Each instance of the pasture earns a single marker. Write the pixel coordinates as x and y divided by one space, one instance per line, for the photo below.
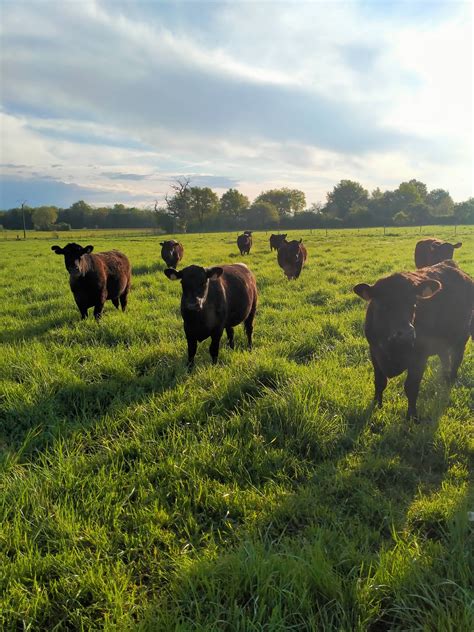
263 493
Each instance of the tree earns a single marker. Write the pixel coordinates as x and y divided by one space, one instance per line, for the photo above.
343 196
178 204
440 201
44 216
203 205
263 215
464 211
418 213
233 206
401 219
286 201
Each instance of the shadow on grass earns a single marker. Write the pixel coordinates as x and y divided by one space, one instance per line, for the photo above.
158 266
306 561
64 409
39 328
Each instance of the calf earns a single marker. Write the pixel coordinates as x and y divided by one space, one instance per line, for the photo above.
413 315
431 251
244 242
215 299
171 252
276 241
96 278
291 257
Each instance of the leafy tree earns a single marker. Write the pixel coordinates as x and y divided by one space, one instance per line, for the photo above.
440 202
233 205
343 196
286 201
203 205
419 213
263 215
401 219
464 211
44 216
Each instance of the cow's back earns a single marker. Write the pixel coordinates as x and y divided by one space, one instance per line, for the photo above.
448 314
240 289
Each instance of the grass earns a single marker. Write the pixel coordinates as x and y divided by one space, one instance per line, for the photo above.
260 494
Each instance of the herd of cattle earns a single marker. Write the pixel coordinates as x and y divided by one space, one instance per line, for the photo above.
410 315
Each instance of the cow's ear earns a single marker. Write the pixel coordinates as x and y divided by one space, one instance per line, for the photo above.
172 274
87 250
458 245
214 273
364 291
428 288
57 250
162 243
301 240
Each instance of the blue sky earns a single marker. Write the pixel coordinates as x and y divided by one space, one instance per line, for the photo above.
109 101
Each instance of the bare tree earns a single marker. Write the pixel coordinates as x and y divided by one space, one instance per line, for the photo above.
178 204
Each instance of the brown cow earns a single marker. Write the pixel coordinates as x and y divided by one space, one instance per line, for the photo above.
215 299
413 315
96 278
431 251
244 242
291 257
171 252
276 241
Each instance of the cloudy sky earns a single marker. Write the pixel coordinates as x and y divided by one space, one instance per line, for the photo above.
109 101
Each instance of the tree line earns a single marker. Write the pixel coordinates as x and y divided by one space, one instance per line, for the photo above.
191 209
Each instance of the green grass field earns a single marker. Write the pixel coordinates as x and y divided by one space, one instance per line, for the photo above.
263 493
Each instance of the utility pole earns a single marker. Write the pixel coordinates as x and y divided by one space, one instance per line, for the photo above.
23 214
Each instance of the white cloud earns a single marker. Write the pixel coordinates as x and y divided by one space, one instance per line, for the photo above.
266 94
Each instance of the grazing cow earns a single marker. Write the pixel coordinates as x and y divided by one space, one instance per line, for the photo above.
431 251
96 278
291 257
215 299
276 241
413 315
244 242
171 252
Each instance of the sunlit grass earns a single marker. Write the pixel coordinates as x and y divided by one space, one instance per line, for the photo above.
260 494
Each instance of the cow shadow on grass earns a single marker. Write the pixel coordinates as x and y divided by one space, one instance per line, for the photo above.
158 266
64 409
332 531
38 328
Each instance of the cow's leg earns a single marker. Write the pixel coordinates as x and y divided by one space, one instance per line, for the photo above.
445 359
115 302
82 308
192 348
98 307
124 298
248 324
457 354
380 382
412 384
214 346
230 336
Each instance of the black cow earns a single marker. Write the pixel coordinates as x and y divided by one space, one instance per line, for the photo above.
96 278
171 252
214 299
413 315
244 242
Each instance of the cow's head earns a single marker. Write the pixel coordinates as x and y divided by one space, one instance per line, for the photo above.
73 254
292 259
195 284
392 303
442 251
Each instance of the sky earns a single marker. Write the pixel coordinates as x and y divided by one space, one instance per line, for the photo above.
110 101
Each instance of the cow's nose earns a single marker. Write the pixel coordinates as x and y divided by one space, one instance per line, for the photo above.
403 335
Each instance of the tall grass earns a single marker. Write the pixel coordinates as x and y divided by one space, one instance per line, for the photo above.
264 493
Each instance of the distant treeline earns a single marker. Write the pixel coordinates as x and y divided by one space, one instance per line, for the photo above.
192 209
